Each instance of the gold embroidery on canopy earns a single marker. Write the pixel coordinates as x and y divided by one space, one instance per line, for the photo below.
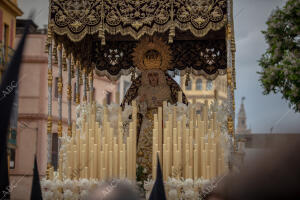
135 17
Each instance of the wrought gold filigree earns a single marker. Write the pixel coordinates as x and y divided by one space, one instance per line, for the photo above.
72 67
59 128
77 99
64 60
54 53
69 131
49 124
229 77
59 85
229 32
49 39
50 77
230 125
69 92
48 171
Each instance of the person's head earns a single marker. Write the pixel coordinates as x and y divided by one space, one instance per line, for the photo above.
114 190
153 79
273 174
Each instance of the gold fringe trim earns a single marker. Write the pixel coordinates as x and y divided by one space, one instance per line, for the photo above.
90 30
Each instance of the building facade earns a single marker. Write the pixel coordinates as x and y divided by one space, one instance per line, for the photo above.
200 89
9 10
32 137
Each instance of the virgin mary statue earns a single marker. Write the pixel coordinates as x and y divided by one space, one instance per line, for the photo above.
150 90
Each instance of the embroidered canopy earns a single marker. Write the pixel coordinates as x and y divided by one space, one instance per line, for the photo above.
103 33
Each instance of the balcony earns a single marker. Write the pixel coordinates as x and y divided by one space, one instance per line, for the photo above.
6 54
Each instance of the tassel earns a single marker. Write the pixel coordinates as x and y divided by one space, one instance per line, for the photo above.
103 41
64 60
55 53
80 76
47 47
77 82
48 41
60 89
72 67
188 79
171 34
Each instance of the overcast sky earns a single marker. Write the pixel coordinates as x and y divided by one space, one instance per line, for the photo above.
262 112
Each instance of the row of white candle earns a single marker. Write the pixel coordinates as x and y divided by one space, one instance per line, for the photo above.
190 150
95 152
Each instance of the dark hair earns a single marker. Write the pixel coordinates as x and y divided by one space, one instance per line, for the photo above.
114 190
274 174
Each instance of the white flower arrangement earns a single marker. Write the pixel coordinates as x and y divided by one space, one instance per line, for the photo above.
48 195
84 184
99 112
125 118
173 194
222 111
177 189
113 110
181 109
180 189
148 184
84 109
69 195
83 194
51 189
189 194
188 183
68 185
74 189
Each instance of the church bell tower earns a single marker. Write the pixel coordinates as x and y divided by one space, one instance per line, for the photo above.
242 120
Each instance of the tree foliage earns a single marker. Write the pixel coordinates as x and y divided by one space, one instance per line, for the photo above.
281 62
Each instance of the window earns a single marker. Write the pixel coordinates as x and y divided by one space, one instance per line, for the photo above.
4 51
12 161
199 84
189 85
108 97
12 132
209 85
56 87
54 156
6 39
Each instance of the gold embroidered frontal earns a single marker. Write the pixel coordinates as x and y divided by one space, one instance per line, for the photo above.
77 18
